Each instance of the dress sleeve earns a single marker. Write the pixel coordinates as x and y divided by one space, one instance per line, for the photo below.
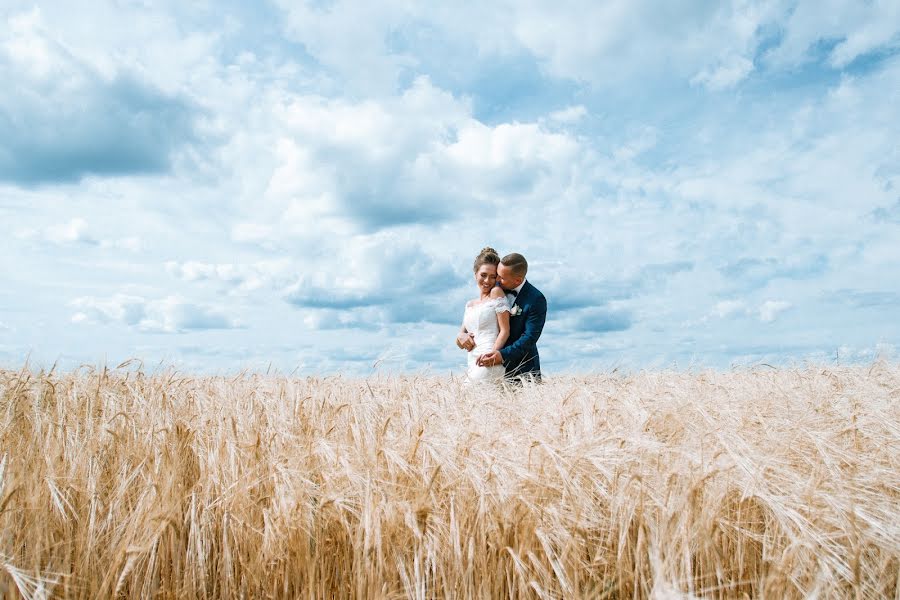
500 305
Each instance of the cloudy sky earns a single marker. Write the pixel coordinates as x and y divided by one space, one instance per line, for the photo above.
220 185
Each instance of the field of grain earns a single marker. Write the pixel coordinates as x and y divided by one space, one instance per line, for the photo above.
759 483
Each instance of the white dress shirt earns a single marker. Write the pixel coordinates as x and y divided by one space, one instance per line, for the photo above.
510 298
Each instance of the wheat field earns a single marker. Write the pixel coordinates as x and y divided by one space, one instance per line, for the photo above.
754 483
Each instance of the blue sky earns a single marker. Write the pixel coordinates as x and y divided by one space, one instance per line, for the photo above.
220 185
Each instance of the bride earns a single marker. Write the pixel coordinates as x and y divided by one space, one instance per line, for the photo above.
486 319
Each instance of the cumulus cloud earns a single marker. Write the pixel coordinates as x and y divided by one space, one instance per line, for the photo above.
755 272
71 232
76 232
420 157
770 310
727 308
382 180
64 119
862 298
726 74
509 158
374 271
251 232
130 244
166 315
853 30
609 44
570 114
241 278
767 312
596 320
636 145
571 286
344 317
350 39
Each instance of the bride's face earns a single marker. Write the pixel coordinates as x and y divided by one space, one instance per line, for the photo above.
486 278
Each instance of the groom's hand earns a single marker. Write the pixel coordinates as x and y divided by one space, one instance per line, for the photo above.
490 359
466 341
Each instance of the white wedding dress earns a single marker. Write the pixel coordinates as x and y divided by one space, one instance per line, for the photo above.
481 320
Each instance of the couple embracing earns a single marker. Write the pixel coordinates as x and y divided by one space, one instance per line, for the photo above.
502 325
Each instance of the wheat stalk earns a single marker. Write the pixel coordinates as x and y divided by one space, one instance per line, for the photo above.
752 483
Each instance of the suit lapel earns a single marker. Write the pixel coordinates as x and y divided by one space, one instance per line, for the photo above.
522 298
524 294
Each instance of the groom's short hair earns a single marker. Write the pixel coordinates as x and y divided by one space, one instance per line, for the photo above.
517 263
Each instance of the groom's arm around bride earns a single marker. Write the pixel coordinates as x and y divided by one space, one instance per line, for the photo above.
521 356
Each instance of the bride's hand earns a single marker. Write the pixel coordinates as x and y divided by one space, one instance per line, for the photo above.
465 341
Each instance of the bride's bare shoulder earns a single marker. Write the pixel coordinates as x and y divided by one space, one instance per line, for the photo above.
498 292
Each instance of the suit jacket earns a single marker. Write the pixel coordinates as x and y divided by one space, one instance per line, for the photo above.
520 354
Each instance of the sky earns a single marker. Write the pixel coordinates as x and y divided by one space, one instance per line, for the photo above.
303 186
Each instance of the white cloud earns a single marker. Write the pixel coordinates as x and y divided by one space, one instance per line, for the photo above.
767 312
25 48
770 309
242 278
73 231
350 39
857 27
251 232
603 43
131 244
76 232
608 44
166 315
127 309
570 114
194 271
69 118
638 144
341 164
726 74
346 167
521 146
52 41
879 33
373 270
727 308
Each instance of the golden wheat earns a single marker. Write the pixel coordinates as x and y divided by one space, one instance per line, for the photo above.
755 483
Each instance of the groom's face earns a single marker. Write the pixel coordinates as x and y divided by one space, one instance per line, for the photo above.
508 280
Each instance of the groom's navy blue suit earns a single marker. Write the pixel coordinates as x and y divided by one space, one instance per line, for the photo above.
520 354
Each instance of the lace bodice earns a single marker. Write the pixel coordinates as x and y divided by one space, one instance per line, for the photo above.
481 320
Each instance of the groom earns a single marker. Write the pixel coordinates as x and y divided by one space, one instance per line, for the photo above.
526 321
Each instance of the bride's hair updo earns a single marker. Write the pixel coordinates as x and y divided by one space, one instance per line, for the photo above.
487 256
